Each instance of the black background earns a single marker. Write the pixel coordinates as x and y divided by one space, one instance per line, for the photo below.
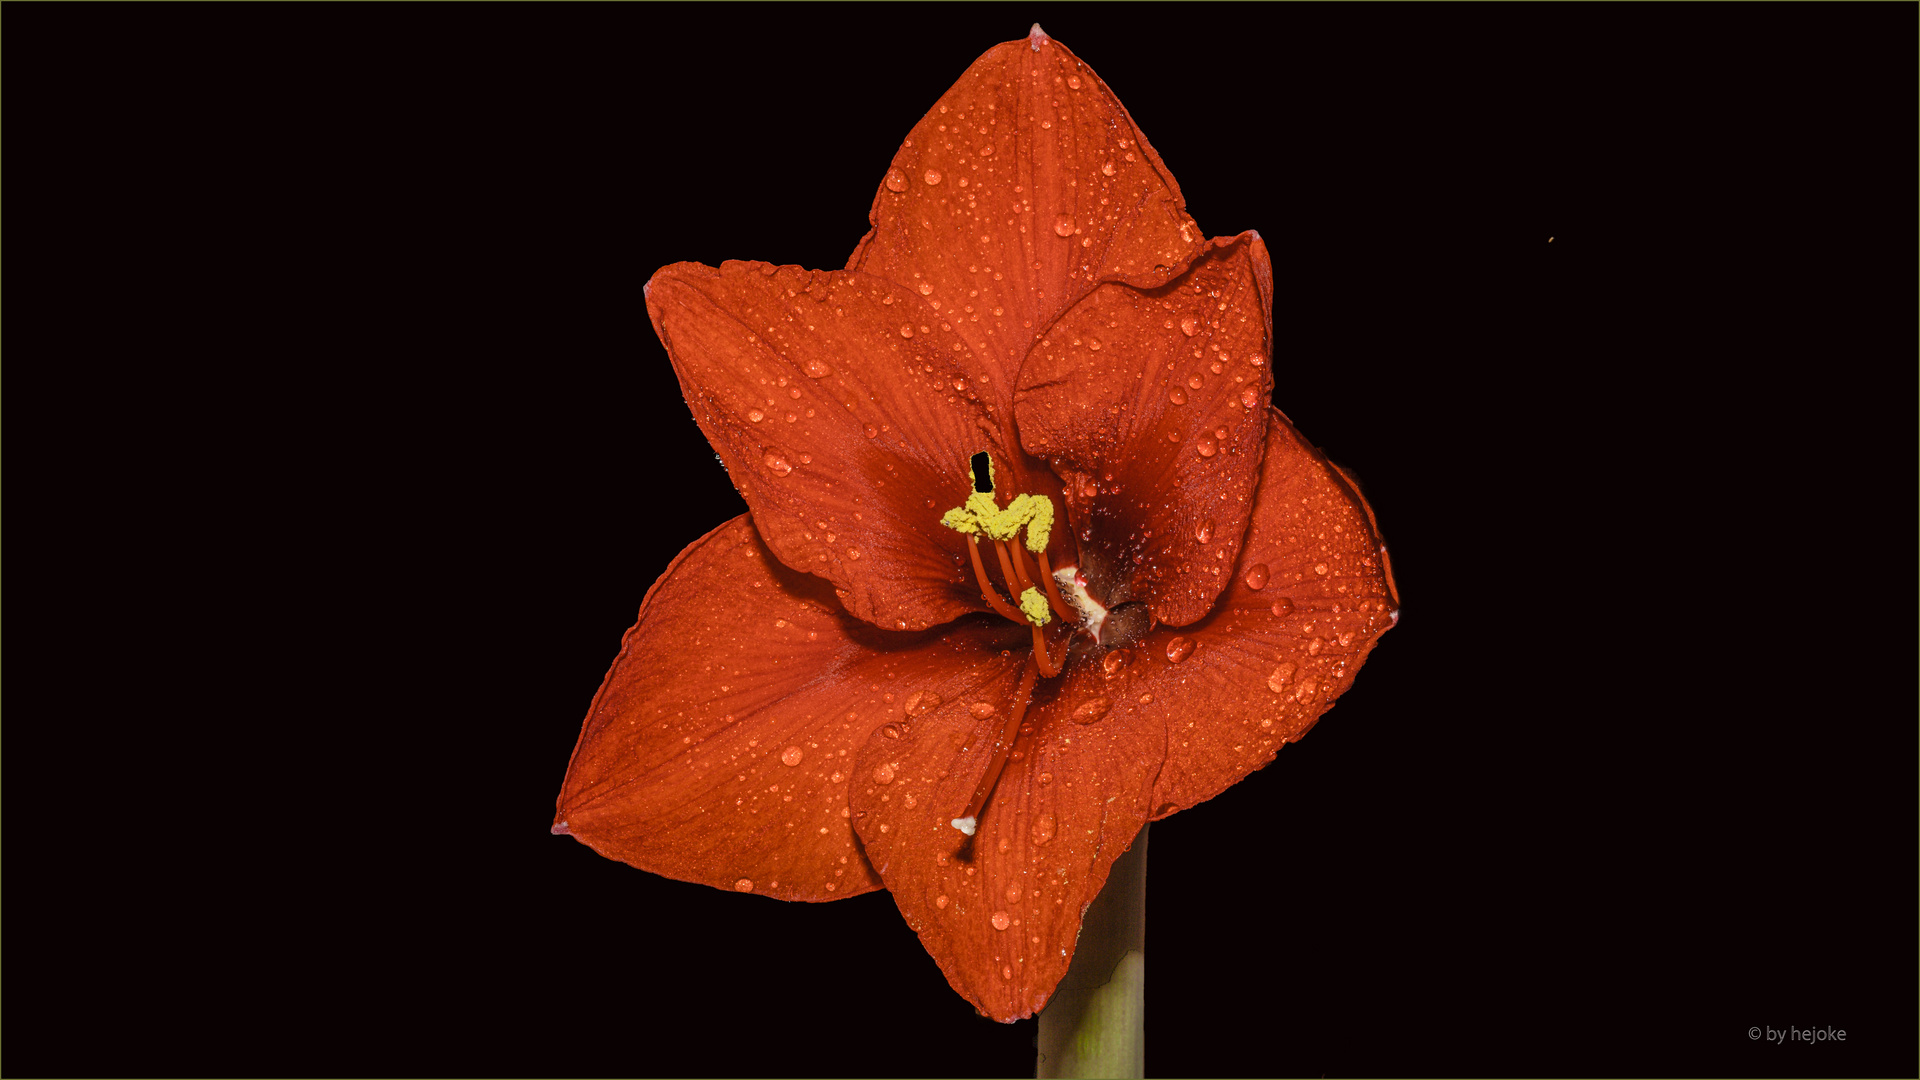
354 415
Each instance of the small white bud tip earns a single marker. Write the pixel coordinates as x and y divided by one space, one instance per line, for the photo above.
1035 36
560 829
965 824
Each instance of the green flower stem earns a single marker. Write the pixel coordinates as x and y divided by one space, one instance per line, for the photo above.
1095 1024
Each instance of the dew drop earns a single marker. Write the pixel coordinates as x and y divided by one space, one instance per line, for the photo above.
941 902
1189 326
1250 397
1206 446
1346 638
1043 827
1090 711
1107 169
1006 972
891 731
1257 576
926 288
1179 648
986 151
791 755
1013 894
1215 367
1314 647
778 465
756 415
896 180
1046 778
1114 661
1173 436
1073 82
817 370
872 432
1196 382
906 331
933 176
1178 396
1320 568
743 885
1000 920
982 709
1277 681
883 775
1282 607
1306 689
1203 532
1063 226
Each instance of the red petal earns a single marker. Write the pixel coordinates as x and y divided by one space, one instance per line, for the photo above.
1027 143
846 417
1152 406
1252 680
1001 914
722 743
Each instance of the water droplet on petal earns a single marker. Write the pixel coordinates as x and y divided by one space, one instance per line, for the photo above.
791 755
1314 647
906 331
926 288
815 369
1006 972
743 885
896 180
1307 686
1206 446
1043 827
982 709
778 465
1173 436
1107 169
1250 397
1203 532
1257 576
933 176
1114 661
1189 326
1196 382
1179 648
1320 568
941 902
1177 396
986 151
1215 367
756 415
883 775
1063 226
1090 711
872 432
1278 680
1013 894
1000 920
1046 778
1282 607
1073 82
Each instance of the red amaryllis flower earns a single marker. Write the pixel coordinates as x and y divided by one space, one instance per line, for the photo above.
1031 560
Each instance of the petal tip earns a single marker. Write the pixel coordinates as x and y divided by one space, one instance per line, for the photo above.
560 829
1035 36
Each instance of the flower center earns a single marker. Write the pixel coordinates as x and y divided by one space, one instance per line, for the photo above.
982 515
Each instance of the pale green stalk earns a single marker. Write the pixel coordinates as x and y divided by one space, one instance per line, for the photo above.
1095 1024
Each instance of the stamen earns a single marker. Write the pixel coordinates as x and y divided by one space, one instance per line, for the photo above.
1001 747
1060 607
1014 583
1047 667
987 591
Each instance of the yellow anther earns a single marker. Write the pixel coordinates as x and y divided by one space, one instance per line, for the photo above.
1035 607
1039 521
959 520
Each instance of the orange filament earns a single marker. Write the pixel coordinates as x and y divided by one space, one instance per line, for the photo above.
1047 667
1014 583
1008 732
1060 608
987 591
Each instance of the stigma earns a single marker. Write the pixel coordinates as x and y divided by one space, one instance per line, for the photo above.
1073 588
